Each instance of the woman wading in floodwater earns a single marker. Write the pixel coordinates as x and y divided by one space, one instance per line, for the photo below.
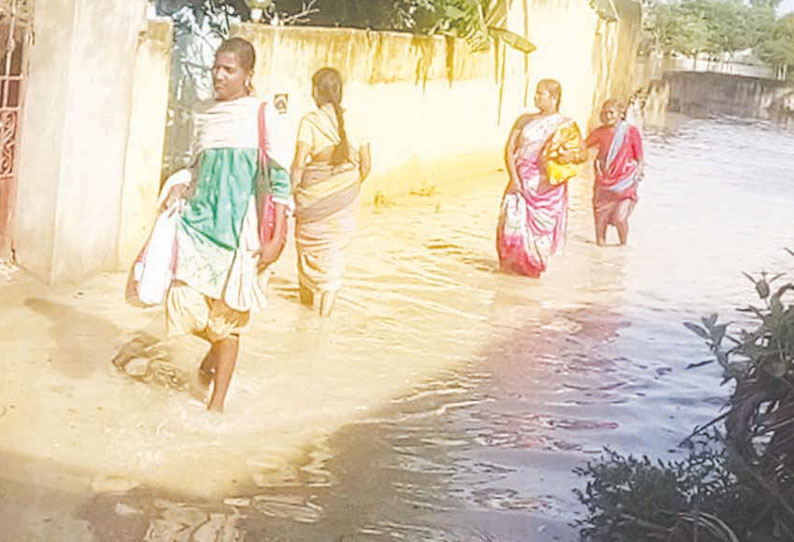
540 155
218 233
618 170
331 161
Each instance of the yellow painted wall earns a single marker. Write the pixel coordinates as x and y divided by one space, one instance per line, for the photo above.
430 101
434 110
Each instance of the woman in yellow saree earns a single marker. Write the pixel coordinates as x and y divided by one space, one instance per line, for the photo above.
330 163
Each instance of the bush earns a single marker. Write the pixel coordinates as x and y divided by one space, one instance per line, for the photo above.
736 484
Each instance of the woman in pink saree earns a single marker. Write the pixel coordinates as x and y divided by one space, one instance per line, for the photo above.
618 169
541 154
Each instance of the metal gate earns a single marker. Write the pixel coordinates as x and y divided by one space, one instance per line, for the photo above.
15 36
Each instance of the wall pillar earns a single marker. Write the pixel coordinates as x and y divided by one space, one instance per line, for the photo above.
146 139
77 116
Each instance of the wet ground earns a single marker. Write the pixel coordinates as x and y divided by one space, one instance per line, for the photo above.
442 402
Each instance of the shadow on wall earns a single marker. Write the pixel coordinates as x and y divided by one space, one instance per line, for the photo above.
615 47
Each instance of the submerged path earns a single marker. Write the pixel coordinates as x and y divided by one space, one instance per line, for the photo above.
443 400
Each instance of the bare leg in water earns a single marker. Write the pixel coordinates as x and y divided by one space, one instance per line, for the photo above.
622 220
327 303
207 368
224 356
601 223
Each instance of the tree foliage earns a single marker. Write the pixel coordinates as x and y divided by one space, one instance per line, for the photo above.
778 49
691 27
718 27
457 18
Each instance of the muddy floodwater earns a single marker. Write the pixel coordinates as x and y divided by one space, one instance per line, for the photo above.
443 401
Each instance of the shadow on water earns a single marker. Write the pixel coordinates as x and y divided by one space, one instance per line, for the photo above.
513 382
448 462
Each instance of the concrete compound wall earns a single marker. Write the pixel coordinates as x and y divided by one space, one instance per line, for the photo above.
77 118
145 141
702 94
430 103
433 110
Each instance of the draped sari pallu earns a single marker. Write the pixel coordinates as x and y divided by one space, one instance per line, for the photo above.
534 218
618 178
327 201
326 204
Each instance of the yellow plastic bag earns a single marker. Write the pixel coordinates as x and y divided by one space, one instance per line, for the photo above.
566 140
560 173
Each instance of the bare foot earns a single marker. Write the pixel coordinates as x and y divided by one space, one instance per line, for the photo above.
138 347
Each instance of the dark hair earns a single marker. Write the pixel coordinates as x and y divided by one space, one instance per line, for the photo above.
327 83
554 88
244 51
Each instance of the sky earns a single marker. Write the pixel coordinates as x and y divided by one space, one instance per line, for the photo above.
786 6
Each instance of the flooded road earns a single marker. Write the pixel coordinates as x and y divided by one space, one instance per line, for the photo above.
442 402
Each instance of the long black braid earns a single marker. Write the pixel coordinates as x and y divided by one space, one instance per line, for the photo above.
328 86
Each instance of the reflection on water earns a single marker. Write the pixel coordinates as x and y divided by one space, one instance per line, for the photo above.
448 402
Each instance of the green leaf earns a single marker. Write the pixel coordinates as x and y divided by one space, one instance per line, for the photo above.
512 39
694 328
718 333
454 12
722 357
762 287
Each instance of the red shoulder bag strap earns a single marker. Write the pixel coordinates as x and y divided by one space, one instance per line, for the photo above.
262 136
267 216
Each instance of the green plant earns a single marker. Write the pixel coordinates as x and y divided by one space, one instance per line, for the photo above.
630 499
737 484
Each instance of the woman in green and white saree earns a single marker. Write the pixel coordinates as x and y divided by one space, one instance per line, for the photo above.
331 160
221 248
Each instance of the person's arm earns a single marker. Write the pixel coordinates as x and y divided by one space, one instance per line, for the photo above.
303 147
271 250
573 149
176 187
639 156
592 138
510 152
281 193
592 142
302 150
364 161
280 187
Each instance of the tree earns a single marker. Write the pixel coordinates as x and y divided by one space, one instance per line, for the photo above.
778 48
690 27
458 18
677 28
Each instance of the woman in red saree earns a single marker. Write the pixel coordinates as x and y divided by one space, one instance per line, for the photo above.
618 169
541 156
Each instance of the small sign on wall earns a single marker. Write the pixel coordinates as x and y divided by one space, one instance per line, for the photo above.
280 102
